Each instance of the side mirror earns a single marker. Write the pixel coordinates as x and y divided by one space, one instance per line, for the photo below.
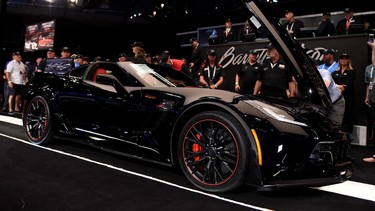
111 80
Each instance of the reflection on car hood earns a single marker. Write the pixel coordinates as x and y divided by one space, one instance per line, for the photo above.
193 94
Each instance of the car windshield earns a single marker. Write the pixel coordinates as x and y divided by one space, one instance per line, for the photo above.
151 77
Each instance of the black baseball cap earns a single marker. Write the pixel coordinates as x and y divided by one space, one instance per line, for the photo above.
228 20
270 46
122 55
344 55
193 39
137 44
165 53
289 11
16 53
148 55
211 52
253 52
79 56
329 51
50 49
65 49
326 14
348 10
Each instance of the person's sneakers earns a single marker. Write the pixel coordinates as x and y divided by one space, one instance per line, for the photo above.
11 113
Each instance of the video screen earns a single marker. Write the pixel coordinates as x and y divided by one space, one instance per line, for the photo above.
39 36
209 36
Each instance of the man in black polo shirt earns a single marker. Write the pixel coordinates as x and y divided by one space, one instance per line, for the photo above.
247 74
274 78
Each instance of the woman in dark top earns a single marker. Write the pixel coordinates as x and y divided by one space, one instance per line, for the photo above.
344 78
211 74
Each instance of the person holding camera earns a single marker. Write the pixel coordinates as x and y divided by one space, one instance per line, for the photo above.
211 74
16 75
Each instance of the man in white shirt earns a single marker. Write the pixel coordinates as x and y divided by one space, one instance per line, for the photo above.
16 76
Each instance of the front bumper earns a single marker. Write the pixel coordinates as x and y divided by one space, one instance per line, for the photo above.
315 182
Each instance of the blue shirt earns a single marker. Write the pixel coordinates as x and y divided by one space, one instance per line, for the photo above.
333 90
330 67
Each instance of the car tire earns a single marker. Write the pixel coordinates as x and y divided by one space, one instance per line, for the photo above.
38 121
213 152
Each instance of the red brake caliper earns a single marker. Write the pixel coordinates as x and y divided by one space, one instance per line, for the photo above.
197 148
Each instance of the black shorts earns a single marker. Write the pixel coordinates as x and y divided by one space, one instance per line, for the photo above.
16 90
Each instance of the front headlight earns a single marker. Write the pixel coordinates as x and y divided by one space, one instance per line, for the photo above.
274 112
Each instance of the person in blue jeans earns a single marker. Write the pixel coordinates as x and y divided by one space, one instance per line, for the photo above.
6 93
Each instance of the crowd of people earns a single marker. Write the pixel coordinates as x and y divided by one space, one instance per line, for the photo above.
349 24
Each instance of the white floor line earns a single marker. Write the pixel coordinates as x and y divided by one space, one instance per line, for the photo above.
353 189
11 120
139 174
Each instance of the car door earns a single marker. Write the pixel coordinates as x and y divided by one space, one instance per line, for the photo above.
108 118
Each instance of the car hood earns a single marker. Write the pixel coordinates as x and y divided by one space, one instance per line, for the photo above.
310 83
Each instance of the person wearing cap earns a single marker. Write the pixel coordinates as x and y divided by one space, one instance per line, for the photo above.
326 27
176 64
41 64
292 25
138 50
122 57
329 61
79 60
16 76
346 25
228 34
344 77
211 74
65 53
51 53
246 76
274 78
148 58
196 58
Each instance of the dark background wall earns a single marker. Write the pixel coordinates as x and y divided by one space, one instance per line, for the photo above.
92 40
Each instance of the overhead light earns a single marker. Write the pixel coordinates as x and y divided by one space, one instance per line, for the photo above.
154 13
186 12
72 3
162 5
139 14
216 8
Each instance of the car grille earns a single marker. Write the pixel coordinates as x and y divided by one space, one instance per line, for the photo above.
330 152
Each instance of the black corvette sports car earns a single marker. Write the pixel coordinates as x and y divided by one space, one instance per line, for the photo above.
220 139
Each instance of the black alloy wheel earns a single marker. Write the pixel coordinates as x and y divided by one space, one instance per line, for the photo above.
37 121
214 152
